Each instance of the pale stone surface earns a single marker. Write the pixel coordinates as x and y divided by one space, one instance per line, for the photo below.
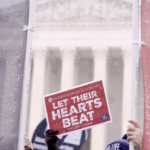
36 110
126 113
67 78
89 28
86 10
99 133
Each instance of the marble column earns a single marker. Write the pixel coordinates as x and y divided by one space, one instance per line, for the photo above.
127 79
36 112
67 76
98 134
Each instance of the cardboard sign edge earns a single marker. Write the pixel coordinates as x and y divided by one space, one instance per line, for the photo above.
71 89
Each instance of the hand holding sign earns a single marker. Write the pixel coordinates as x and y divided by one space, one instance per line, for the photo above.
134 134
78 108
51 139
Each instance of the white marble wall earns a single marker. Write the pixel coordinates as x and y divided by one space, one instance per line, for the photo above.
68 55
85 43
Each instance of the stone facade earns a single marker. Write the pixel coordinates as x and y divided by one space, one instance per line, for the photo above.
80 41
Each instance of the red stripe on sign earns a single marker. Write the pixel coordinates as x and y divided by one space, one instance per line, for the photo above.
78 108
145 36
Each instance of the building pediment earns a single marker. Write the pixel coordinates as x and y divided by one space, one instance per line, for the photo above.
58 11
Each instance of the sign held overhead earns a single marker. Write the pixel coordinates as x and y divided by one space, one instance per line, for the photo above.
78 108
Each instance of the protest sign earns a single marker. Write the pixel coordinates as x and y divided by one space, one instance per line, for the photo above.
78 108
145 50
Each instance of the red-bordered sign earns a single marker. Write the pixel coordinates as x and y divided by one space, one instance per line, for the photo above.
145 50
78 108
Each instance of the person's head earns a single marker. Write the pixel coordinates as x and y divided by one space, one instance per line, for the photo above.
118 145
28 144
121 144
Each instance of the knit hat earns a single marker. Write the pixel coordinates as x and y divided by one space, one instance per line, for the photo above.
121 144
118 145
28 143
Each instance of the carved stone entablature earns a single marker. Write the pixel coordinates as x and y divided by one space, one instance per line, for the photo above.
84 26
83 10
